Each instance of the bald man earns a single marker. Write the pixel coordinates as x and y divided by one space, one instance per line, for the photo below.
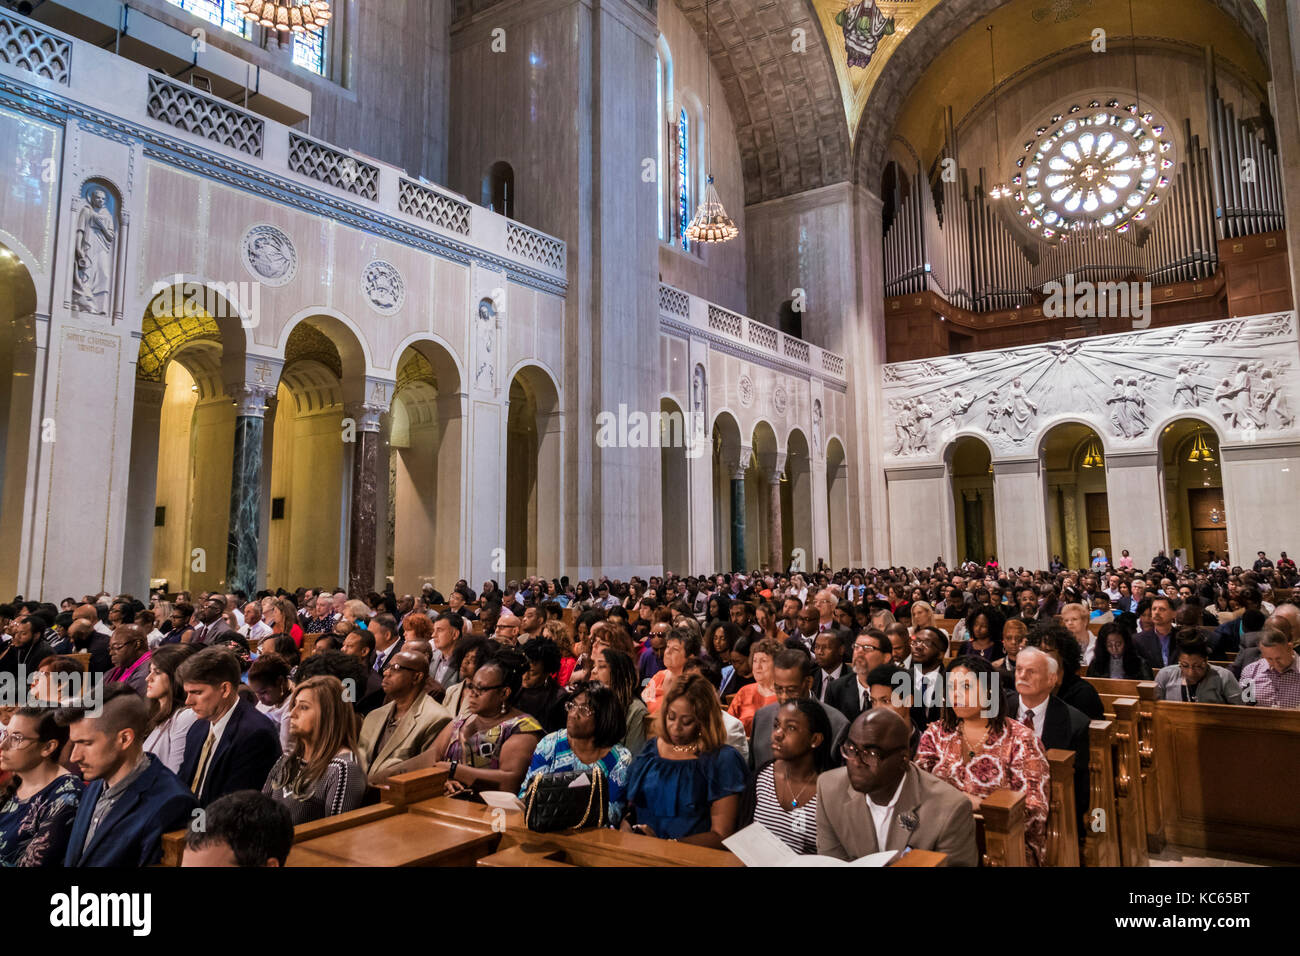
407 725
129 650
879 800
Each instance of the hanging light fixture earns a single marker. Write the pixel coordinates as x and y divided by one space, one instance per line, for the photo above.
1000 189
298 16
1092 458
1201 450
711 222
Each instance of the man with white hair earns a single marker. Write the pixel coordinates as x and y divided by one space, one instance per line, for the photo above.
1053 721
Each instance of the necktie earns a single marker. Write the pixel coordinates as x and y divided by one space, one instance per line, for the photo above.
204 754
1029 719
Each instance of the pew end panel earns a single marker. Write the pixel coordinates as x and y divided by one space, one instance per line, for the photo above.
1101 840
1000 829
1127 772
1062 815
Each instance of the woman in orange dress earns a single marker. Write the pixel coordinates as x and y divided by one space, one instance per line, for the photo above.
753 697
979 750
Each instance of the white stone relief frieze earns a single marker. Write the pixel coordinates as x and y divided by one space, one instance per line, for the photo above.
1241 373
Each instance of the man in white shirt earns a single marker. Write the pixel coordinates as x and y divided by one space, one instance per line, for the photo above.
1053 721
255 629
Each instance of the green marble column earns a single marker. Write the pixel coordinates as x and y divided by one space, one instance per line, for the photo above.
244 537
738 510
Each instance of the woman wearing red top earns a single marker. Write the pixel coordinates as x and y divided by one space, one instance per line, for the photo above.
276 611
751 698
559 633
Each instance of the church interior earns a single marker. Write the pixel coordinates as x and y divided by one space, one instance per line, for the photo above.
383 294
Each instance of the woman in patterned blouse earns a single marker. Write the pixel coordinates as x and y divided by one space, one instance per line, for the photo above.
978 750
39 805
319 776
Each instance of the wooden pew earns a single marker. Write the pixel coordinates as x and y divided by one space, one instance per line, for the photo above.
1227 777
1129 795
1101 839
1062 816
1000 829
1145 692
82 658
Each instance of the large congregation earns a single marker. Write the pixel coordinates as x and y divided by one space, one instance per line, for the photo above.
849 713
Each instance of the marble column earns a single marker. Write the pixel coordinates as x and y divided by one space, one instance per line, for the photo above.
365 485
738 469
243 541
775 545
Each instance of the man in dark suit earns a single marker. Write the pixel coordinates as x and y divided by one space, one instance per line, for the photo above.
880 801
828 655
131 798
850 694
1053 721
231 746
1158 645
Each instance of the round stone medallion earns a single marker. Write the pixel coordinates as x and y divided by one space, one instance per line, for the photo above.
268 254
383 287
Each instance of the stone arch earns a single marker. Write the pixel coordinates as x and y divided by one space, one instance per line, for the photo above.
728 544
1197 519
968 463
19 422
534 473
797 508
1076 495
674 478
837 495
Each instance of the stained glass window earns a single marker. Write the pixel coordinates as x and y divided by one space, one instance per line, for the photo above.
220 12
309 51
683 177
659 159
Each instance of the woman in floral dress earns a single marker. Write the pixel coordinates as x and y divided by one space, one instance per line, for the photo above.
978 750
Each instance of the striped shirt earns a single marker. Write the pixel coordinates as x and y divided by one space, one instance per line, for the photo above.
796 828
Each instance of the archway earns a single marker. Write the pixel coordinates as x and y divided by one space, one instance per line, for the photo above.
499 189
424 470
1078 511
182 442
533 478
674 484
797 503
17 386
728 536
970 471
764 547
837 512
312 444
1195 517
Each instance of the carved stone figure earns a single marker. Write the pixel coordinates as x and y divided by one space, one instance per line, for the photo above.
1021 410
485 330
994 410
269 255
92 275
817 424
1185 394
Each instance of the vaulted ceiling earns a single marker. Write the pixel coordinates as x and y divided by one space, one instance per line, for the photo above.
809 118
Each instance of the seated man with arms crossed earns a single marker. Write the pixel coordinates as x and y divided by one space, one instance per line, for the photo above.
879 801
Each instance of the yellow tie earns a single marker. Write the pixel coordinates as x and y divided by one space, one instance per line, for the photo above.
204 754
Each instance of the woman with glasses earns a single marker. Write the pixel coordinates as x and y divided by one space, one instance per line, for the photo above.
977 749
169 719
782 794
39 803
490 746
319 776
466 654
590 739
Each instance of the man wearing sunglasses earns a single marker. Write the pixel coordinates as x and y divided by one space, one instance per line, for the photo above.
405 726
880 801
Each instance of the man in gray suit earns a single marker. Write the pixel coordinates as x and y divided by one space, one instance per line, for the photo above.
792 678
879 801
407 725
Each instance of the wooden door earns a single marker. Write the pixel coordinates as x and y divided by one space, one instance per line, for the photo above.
1098 515
1209 524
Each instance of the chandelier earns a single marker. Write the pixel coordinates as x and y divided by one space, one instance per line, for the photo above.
1000 190
300 16
1093 459
1201 450
711 222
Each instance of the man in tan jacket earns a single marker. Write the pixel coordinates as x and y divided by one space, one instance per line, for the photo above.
880 801
405 726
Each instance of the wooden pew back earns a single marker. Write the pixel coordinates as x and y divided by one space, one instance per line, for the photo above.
1145 691
1101 841
1062 816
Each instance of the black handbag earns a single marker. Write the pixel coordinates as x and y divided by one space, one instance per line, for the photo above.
552 803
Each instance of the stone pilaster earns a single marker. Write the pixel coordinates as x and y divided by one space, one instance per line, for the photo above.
365 485
738 469
243 541
775 548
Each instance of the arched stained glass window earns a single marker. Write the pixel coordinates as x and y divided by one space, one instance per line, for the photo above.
220 12
683 177
309 51
659 157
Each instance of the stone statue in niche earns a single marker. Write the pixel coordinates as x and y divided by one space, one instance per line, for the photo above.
1021 411
485 330
817 424
699 392
96 238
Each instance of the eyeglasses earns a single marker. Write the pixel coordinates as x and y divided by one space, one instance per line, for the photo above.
582 710
400 667
14 741
475 689
868 754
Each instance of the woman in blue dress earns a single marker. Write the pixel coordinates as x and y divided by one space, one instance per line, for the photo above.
686 782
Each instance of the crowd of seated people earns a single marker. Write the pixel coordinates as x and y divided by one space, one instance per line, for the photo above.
707 703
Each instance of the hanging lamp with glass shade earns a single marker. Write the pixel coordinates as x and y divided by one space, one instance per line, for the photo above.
711 222
298 16
1093 459
1000 189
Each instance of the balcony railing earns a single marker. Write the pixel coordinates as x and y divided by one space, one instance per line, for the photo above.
172 109
763 341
